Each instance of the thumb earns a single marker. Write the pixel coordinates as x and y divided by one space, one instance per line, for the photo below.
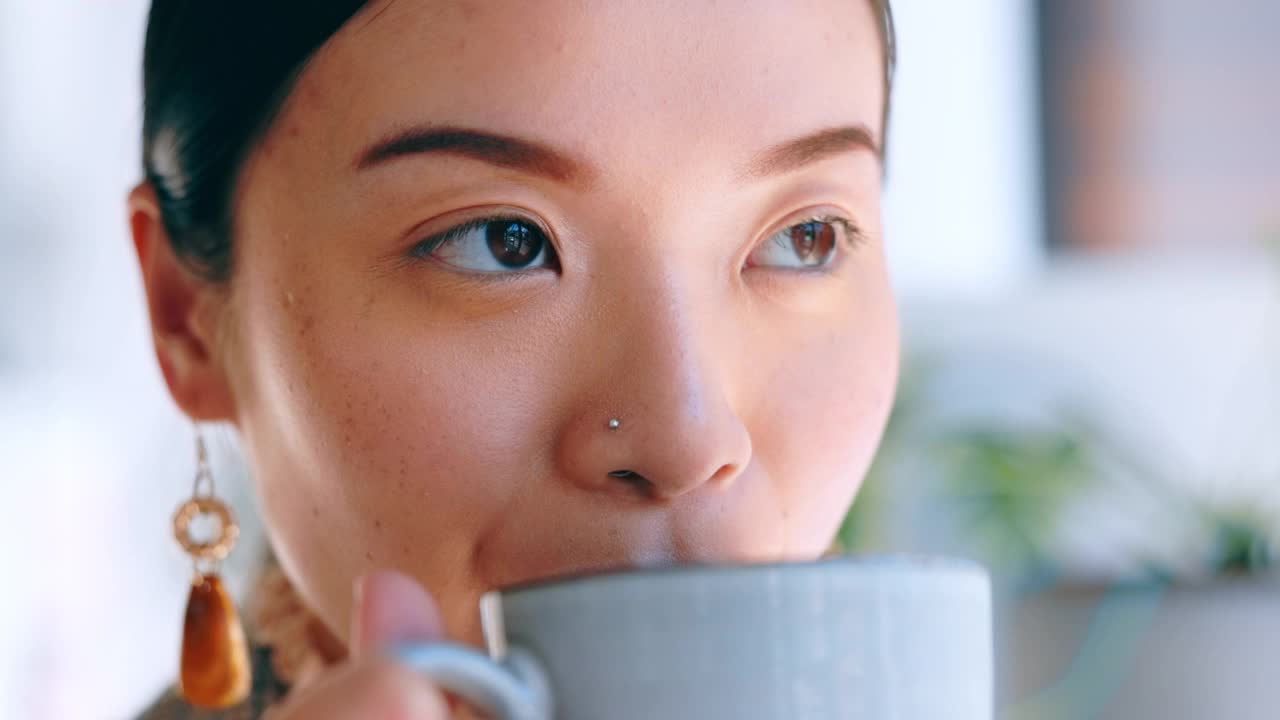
391 607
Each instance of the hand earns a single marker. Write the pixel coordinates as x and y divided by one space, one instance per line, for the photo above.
389 608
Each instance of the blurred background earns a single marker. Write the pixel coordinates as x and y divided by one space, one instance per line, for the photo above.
1084 219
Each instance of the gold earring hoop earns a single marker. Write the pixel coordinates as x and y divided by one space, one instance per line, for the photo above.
215 671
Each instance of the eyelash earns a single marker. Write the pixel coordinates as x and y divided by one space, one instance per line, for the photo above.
427 246
852 232
424 248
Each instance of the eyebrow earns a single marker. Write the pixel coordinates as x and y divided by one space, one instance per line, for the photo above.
505 151
808 149
536 158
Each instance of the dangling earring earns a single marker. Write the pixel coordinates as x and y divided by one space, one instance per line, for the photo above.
215 657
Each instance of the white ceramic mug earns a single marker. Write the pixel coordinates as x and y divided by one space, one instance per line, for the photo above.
874 638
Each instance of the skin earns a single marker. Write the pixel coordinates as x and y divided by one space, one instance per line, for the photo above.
399 412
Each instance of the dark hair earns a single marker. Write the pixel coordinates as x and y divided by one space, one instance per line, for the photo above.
214 76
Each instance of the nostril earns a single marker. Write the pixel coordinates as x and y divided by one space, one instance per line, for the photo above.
632 478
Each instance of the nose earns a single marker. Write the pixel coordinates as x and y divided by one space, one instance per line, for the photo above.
655 415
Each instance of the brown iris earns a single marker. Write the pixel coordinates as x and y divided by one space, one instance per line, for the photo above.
813 242
514 244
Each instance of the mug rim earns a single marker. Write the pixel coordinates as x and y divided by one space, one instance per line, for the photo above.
908 563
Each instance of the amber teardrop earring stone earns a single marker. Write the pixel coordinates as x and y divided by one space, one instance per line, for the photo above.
215 657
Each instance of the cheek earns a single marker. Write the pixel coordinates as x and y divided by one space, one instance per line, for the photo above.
377 433
403 417
819 430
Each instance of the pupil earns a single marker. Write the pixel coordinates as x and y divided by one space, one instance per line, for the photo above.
514 244
813 242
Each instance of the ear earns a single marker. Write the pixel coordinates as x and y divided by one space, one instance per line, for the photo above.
185 316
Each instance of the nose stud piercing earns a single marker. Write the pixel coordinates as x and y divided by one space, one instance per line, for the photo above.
615 423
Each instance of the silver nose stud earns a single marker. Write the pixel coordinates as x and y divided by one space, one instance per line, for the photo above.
615 423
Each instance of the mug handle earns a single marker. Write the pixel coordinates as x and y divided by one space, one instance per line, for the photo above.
514 689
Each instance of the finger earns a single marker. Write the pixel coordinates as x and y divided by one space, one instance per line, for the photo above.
379 689
389 608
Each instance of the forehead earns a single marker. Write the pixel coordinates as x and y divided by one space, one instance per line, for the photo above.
631 84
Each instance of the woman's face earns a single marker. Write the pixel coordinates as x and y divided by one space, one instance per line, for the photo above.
477 232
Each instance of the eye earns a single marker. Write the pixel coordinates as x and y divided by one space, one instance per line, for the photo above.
814 243
491 245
